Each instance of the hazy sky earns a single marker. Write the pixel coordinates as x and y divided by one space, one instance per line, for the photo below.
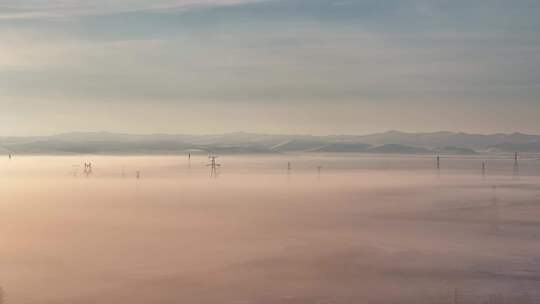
289 66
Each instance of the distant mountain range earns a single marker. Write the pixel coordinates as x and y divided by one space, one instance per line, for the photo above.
392 142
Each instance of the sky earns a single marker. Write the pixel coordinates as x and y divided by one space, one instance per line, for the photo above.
269 66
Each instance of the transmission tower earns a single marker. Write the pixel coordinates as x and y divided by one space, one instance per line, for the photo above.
213 165
87 169
516 166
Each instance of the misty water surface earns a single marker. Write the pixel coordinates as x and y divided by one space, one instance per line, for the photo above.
368 229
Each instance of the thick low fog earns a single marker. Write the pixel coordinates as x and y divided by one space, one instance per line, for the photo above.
331 229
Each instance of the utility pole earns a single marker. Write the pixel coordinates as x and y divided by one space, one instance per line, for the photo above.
289 168
516 166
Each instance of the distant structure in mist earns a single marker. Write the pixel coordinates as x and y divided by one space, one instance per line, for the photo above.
319 168
289 168
483 170
213 165
189 160
515 173
87 169
9 156
138 174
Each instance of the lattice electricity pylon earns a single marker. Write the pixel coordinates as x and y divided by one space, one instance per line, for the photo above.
515 172
213 165
87 169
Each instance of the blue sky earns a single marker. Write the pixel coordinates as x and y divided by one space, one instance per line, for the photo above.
316 66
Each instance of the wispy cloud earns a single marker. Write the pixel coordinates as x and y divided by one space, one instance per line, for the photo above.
44 9
363 61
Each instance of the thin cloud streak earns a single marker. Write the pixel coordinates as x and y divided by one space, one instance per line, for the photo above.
308 66
53 9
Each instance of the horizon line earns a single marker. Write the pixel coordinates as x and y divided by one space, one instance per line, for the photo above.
274 134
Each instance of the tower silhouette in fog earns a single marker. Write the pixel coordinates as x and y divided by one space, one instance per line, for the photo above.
515 173
289 168
213 165
87 169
